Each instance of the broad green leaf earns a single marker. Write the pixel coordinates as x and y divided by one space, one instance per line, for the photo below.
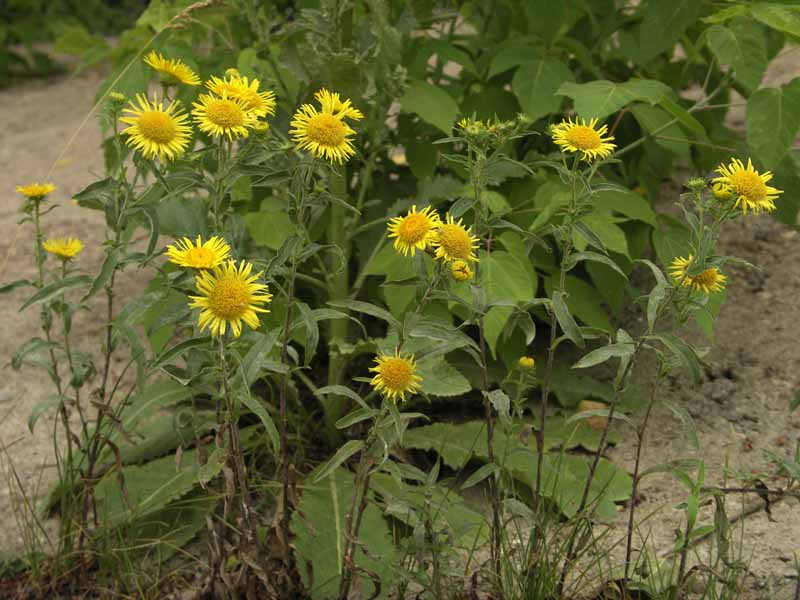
318 525
269 228
598 99
448 511
504 277
741 46
773 120
178 350
440 378
577 257
612 236
668 135
432 104
626 203
18 283
663 24
41 406
369 309
536 83
783 17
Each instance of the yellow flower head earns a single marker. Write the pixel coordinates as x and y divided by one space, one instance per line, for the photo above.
117 99
395 376
710 280
229 295
221 115
526 363
199 255
324 132
65 248
460 270
750 186
415 230
722 192
455 242
171 71
237 87
155 131
36 191
589 140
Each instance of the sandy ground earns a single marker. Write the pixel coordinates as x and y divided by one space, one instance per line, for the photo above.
741 408
38 120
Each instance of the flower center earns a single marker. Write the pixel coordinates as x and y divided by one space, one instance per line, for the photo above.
413 228
455 241
749 185
326 130
397 373
224 113
584 138
201 257
157 126
707 278
229 299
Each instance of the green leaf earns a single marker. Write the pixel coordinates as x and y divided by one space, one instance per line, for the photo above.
598 99
369 309
178 350
269 228
257 408
794 402
318 526
773 120
577 257
669 135
565 320
18 283
601 355
432 104
440 378
483 472
341 455
148 488
56 289
663 24
782 17
504 277
626 203
108 268
683 353
584 301
41 406
741 46
449 512
535 85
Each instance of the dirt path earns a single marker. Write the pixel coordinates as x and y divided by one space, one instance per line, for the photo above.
37 120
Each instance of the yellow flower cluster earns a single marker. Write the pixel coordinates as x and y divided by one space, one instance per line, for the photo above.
234 106
449 240
229 293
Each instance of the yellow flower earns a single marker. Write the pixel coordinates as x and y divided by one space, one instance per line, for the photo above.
460 270
199 255
237 87
36 191
230 295
722 192
526 362
750 186
172 70
395 376
415 230
710 280
589 140
325 133
454 242
65 248
155 131
221 115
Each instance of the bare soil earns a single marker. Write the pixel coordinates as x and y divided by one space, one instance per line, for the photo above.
741 408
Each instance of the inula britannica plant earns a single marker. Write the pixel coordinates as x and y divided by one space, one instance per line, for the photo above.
405 273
